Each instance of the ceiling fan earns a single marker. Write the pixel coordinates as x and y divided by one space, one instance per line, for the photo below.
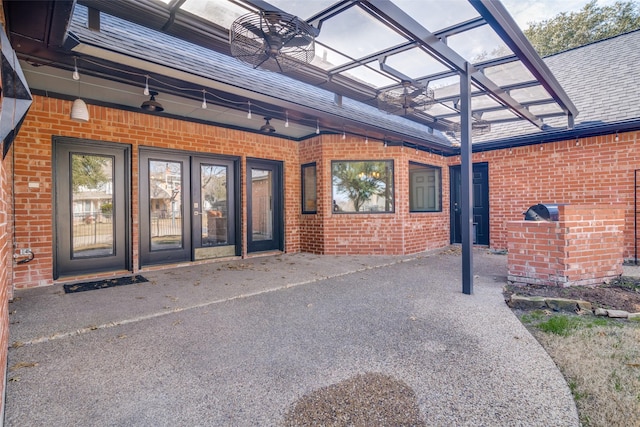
272 39
407 99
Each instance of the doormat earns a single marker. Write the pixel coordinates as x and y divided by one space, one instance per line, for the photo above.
102 284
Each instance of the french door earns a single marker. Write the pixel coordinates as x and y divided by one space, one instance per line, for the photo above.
264 206
91 207
187 207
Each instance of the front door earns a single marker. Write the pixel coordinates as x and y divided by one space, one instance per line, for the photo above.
480 204
187 207
264 206
91 213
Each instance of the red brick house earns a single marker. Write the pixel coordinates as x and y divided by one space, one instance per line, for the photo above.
337 176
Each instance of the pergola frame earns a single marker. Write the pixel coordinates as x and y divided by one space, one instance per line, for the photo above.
472 79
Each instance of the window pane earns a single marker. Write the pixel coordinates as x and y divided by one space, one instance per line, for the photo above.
362 186
213 195
165 200
92 204
309 197
262 204
424 188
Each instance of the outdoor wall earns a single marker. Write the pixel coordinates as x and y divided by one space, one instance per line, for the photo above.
394 233
597 170
311 224
584 247
49 117
6 265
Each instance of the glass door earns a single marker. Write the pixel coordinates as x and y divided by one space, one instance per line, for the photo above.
213 207
187 207
165 218
91 207
264 206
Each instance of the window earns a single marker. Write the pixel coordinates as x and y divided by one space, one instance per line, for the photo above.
425 185
362 186
309 194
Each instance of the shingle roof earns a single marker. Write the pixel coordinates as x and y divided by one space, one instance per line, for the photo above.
602 80
137 41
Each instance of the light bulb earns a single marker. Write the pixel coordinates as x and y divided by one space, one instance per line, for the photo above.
249 113
146 86
204 100
317 127
286 123
76 75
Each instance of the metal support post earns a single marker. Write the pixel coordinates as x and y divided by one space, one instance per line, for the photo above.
467 181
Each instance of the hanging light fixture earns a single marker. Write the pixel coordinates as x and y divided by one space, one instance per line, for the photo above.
79 110
317 127
267 128
204 99
146 86
152 105
249 113
286 123
76 74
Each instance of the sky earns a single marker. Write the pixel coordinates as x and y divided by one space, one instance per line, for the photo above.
525 11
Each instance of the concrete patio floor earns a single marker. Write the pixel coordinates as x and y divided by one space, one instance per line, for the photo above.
238 343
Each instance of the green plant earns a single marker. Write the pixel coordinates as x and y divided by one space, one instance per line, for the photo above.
559 325
534 316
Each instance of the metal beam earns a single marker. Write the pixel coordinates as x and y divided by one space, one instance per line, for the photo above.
503 24
466 191
413 30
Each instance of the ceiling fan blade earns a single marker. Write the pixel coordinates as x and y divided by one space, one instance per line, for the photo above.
300 40
417 92
254 29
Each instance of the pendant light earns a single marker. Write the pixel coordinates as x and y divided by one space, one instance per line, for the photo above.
79 110
267 128
152 105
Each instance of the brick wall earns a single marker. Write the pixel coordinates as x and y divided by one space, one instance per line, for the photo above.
583 248
597 170
384 233
6 265
49 117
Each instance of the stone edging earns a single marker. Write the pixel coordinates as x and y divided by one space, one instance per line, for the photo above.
568 305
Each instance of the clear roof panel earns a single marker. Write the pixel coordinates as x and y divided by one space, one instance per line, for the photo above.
356 34
222 13
415 63
435 15
353 36
327 58
482 102
303 9
369 75
499 115
508 74
530 94
439 109
479 44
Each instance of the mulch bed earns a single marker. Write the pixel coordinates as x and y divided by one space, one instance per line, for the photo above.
619 294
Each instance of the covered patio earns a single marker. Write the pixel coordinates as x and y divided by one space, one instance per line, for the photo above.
266 341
